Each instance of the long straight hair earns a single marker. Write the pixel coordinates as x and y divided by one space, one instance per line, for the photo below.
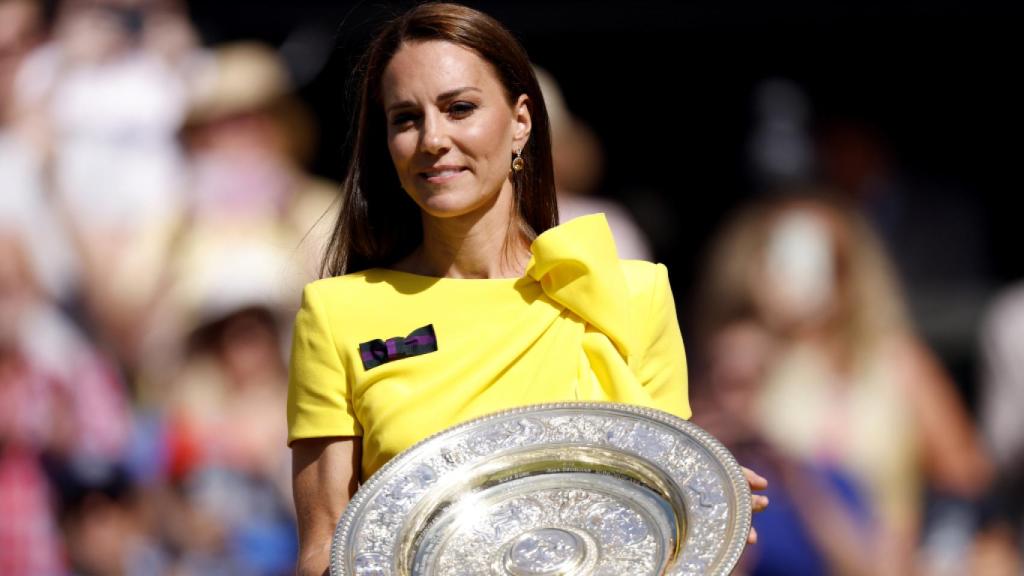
378 223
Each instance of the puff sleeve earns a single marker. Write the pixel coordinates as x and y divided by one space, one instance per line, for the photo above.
319 389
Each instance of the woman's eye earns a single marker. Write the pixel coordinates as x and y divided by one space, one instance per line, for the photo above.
461 109
403 118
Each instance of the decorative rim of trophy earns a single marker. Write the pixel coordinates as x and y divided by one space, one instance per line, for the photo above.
575 488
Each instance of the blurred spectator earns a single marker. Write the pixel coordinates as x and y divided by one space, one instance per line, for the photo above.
61 403
228 506
848 390
29 543
25 205
781 147
105 527
946 276
817 522
214 370
166 187
1002 396
108 95
21 30
1003 390
255 221
248 139
229 472
579 166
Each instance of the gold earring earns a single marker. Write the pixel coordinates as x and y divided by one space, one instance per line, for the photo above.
518 163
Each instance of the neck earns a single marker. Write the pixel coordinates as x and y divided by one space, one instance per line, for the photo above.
482 244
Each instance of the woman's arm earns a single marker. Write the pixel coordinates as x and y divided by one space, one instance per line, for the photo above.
324 478
954 458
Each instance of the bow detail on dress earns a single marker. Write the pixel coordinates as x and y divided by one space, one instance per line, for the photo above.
577 266
377 352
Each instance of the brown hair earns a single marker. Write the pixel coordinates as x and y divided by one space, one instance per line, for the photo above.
378 223
870 298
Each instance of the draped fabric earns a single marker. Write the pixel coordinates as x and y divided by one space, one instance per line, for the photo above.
579 325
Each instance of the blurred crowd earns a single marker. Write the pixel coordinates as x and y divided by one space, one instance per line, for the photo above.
157 223
816 301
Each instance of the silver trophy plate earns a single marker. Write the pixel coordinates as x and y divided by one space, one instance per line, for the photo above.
555 489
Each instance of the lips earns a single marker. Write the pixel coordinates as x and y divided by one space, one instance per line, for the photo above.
439 174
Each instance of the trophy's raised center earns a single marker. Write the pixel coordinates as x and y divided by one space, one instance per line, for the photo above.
545 552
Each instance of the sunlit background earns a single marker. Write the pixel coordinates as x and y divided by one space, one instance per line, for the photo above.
832 185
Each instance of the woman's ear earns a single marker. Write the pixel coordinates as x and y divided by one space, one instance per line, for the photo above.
522 121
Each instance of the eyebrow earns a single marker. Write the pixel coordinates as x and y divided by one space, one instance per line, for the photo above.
440 97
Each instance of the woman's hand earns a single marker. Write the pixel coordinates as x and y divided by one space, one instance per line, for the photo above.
757 502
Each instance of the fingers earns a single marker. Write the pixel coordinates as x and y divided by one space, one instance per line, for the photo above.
758 502
757 482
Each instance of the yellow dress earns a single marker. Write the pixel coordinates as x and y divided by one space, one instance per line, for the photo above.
394 357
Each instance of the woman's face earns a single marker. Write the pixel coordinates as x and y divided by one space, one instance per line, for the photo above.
796 280
451 129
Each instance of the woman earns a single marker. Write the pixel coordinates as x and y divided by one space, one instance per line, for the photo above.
501 307
863 398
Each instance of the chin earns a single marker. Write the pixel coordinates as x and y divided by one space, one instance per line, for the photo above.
448 209
449 204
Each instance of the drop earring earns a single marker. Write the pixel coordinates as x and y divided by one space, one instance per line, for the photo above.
518 163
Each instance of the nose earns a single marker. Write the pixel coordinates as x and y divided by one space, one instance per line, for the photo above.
434 136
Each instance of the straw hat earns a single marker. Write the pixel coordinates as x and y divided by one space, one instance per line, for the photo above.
238 78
